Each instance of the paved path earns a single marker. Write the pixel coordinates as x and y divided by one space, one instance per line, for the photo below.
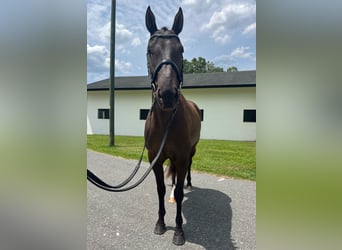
218 214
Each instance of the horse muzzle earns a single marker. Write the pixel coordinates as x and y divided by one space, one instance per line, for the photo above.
167 99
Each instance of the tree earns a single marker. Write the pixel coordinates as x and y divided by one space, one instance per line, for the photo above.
200 65
187 66
212 68
232 69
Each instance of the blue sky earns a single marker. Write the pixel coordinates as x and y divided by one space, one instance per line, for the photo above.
221 31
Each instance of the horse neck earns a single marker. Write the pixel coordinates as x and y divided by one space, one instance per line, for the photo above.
162 117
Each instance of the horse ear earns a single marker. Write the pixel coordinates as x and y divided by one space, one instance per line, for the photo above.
150 21
178 22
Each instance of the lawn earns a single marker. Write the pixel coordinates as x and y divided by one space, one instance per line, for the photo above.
225 158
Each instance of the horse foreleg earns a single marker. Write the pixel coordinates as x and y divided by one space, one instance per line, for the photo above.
178 237
160 227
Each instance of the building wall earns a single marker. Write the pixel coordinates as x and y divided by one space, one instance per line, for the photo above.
223 112
127 109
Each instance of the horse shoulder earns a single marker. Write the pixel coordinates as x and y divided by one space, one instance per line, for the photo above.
193 118
194 108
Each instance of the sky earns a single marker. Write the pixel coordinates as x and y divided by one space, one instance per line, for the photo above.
221 31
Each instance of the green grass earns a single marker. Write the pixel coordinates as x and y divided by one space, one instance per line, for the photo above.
226 158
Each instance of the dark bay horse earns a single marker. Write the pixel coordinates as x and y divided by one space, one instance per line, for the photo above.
165 65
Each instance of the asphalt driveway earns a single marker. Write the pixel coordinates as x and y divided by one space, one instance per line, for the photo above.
219 213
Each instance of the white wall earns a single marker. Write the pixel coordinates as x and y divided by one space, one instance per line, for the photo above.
97 100
223 112
127 109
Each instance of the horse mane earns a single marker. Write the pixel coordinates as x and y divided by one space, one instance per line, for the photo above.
165 30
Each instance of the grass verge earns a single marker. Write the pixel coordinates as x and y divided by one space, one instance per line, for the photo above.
227 158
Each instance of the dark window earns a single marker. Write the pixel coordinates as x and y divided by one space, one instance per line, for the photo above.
249 115
143 114
202 114
103 113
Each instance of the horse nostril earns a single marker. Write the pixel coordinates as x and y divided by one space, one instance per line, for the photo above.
167 97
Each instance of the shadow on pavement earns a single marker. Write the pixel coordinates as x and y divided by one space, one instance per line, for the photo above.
208 217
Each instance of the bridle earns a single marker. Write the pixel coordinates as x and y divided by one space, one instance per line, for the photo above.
166 61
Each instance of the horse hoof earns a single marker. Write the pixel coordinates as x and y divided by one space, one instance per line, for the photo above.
160 228
189 187
172 200
178 238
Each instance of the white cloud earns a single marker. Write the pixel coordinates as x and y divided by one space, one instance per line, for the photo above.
99 60
97 56
96 49
107 62
136 42
195 2
232 17
242 52
189 2
222 39
103 32
122 33
97 20
250 29
123 66
237 57
220 36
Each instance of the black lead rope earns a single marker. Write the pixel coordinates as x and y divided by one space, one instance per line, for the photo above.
94 179
118 188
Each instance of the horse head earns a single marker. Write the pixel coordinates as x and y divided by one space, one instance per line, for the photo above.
165 60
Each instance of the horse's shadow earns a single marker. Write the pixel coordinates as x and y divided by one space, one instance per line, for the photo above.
208 217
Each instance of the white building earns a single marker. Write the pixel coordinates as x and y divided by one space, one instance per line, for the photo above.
227 101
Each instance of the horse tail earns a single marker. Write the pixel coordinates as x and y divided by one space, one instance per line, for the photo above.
170 170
